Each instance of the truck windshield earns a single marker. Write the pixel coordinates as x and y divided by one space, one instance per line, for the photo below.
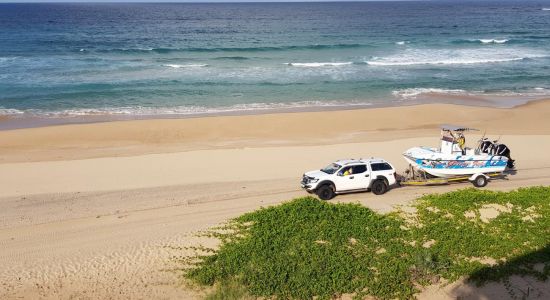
331 169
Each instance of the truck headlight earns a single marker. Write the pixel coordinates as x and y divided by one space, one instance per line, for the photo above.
313 180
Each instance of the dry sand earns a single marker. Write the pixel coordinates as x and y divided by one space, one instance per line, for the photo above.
87 211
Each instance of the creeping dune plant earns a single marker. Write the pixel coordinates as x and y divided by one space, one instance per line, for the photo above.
308 248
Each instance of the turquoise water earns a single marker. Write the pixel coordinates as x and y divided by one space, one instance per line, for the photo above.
181 59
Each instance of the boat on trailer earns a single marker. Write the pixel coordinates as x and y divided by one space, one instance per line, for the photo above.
453 161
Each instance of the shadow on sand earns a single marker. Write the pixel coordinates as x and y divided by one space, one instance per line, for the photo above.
525 277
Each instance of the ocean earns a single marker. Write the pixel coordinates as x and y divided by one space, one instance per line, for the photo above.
129 60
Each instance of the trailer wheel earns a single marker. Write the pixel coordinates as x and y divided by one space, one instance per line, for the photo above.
379 187
480 181
325 192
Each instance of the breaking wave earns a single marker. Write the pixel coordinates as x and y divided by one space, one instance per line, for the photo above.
443 62
10 111
493 41
231 58
230 49
413 57
7 59
179 110
413 93
176 66
320 64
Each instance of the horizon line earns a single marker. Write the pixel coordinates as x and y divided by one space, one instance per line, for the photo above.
222 1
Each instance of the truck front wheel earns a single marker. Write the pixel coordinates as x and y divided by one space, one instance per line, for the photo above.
379 187
325 192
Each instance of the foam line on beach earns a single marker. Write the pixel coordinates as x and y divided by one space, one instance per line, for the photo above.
415 92
179 110
259 107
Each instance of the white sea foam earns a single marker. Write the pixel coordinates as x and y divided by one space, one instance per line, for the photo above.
411 57
7 59
176 66
401 43
545 8
129 49
492 41
319 64
413 93
442 62
10 111
180 110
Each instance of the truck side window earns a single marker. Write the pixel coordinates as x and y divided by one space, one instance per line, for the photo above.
380 166
359 169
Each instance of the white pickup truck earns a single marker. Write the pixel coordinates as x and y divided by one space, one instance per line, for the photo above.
351 175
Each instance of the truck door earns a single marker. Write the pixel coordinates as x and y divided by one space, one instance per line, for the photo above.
353 178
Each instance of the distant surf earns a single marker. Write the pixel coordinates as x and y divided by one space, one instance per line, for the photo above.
176 66
319 64
232 58
488 41
493 41
413 57
414 93
443 62
162 50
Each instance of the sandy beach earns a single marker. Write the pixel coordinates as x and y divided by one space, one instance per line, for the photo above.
97 210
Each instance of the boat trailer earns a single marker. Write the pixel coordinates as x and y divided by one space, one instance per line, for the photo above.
412 177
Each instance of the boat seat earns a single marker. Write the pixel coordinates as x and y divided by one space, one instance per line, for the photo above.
447 139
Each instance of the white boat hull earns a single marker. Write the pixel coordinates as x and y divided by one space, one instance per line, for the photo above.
448 165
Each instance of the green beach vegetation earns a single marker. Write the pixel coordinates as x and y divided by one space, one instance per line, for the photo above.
308 248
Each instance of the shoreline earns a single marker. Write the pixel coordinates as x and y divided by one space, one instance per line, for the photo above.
137 137
30 120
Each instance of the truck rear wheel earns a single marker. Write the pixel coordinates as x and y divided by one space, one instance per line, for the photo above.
379 187
325 192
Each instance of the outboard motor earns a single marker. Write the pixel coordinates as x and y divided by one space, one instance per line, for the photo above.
485 145
502 150
493 147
